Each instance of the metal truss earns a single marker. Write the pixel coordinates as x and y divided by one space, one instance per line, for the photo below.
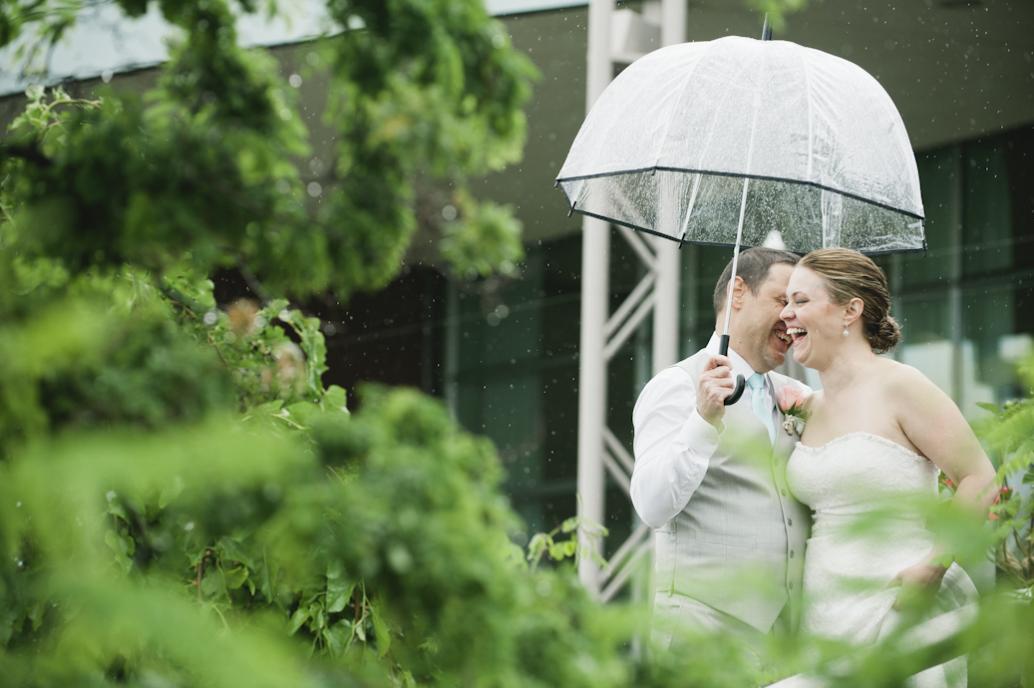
616 38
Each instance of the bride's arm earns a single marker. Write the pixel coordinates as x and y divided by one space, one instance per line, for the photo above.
934 424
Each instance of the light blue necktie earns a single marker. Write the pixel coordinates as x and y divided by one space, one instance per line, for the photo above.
761 402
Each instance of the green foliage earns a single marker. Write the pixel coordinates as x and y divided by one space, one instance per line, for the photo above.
183 502
484 240
1009 435
572 539
202 169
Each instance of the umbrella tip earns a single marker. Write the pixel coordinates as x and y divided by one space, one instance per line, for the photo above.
766 29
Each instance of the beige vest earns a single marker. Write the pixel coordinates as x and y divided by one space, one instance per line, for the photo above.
738 546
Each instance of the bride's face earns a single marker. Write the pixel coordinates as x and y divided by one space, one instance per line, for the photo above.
813 320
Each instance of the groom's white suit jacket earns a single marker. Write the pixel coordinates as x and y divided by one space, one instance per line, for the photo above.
727 531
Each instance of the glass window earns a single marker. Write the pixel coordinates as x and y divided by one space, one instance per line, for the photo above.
927 343
939 176
997 333
998 229
967 307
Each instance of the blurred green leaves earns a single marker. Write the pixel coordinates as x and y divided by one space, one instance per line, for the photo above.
204 167
183 502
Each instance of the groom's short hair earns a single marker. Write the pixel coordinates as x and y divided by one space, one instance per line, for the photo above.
753 267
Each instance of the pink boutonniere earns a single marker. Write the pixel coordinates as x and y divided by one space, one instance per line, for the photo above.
793 402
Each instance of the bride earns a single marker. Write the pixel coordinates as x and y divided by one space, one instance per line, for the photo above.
878 430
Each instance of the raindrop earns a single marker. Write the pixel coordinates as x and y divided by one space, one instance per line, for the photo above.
210 318
188 526
449 213
107 75
314 189
295 80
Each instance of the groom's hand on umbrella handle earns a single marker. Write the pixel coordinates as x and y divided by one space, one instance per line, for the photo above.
714 385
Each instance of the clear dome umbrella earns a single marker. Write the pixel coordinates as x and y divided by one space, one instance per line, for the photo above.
741 142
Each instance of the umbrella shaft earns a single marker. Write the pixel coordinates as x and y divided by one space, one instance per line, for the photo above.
735 258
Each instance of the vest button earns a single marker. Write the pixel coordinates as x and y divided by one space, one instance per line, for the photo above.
789 521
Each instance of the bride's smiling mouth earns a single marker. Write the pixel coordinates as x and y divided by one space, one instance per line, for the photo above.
796 333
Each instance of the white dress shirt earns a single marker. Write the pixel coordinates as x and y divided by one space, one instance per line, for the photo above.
673 443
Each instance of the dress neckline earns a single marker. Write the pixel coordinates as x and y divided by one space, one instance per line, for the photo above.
880 439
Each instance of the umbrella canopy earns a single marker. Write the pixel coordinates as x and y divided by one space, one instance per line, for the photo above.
668 146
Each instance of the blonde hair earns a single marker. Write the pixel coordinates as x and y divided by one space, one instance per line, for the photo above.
848 274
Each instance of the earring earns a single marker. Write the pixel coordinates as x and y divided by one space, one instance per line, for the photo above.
845 330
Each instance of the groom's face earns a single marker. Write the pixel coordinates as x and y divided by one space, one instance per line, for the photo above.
760 334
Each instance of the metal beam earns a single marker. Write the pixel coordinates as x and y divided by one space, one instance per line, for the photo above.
666 310
599 451
592 366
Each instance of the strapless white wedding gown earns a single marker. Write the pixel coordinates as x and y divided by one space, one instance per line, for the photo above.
846 575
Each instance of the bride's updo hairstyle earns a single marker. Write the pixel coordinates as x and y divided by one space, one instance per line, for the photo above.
849 274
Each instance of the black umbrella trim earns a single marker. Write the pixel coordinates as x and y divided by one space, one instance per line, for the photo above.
724 244
815 185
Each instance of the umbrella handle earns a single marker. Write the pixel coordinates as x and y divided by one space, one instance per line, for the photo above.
741 384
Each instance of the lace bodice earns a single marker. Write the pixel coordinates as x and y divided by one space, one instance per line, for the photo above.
856 472
848 571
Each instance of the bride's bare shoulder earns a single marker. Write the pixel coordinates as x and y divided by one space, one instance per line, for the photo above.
903 380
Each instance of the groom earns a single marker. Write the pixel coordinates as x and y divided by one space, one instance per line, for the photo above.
729 538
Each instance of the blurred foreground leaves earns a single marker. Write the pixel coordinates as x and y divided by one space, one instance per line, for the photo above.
183 502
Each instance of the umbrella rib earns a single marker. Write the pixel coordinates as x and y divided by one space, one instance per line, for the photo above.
718 173
726 94
684 94
739 225
808 97
689 210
